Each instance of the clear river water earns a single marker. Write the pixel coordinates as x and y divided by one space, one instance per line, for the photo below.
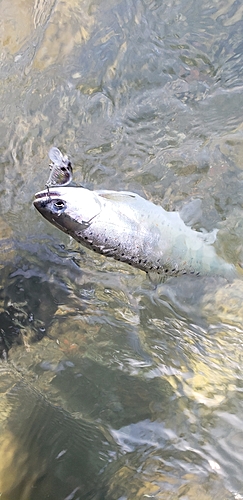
113 387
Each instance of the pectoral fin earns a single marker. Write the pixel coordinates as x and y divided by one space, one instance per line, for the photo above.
157 278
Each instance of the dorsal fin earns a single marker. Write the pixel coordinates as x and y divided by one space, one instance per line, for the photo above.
191 212
116 195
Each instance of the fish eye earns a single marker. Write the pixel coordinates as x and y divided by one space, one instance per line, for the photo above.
59 204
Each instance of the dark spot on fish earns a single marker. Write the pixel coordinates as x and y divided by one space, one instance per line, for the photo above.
94 249
106 240
151 268
173 270
140 260
122 254
86 237
166 270
157 268
145 262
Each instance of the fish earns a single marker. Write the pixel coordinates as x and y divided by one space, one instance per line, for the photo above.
132 229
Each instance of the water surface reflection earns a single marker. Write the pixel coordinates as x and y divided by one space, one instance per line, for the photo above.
116 387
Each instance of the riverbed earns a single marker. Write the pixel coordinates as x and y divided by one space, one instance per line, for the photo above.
113 386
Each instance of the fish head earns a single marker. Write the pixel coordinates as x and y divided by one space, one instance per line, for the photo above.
70 209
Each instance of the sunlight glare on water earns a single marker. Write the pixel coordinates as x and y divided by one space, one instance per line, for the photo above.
112 386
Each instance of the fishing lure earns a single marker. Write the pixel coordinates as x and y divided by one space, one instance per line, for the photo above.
61 169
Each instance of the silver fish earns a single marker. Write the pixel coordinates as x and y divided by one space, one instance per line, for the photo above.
125 226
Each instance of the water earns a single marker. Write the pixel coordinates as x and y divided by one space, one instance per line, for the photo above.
115 387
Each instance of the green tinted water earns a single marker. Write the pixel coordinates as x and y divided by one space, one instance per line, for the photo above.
116 388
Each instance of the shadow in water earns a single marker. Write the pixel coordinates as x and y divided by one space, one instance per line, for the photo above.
28 302
46 453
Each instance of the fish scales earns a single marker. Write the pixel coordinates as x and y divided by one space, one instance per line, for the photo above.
129 228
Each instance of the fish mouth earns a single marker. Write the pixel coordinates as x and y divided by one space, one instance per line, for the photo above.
50 206
46 194
42 198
